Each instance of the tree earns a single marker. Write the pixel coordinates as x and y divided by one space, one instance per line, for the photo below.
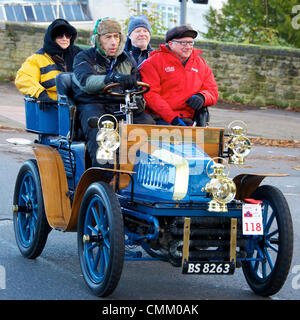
137 7
267 22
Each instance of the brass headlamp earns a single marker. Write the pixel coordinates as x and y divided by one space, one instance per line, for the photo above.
221 188
108 138
238 145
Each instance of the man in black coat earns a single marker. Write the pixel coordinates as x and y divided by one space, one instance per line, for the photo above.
97 67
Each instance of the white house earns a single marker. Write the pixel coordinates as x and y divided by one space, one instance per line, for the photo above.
84 13
169 10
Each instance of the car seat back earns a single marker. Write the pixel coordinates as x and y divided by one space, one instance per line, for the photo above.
69 125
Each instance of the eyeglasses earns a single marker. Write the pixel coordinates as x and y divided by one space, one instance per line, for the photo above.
185 43
67 35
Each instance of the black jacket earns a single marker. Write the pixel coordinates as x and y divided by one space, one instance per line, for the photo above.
136 53
90 69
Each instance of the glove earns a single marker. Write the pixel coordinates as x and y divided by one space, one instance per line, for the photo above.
45 99
140 103
127 81
196 101
178 122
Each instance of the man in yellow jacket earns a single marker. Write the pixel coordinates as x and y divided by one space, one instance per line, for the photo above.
36 77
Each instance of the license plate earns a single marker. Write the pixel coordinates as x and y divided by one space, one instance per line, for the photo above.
252 219
209 268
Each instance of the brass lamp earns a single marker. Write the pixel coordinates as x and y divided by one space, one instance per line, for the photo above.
107 138
238 145
221 188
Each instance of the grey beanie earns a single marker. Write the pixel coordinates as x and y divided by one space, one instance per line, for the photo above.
137 22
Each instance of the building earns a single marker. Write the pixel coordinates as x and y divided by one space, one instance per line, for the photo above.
167 10
41 11
84 13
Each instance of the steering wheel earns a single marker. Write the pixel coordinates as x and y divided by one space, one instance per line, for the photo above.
107 89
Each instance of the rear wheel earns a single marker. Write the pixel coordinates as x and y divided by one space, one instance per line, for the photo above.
101 239
30 223
271 253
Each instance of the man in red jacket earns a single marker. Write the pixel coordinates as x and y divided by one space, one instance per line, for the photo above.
182 84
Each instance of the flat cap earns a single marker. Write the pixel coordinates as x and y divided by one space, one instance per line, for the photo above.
181 32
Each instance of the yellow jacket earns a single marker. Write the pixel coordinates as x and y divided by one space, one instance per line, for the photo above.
36 74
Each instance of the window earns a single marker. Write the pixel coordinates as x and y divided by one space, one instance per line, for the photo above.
2 18
48 13
29 13
169 15
61 14
68 12
10 16
19 13
43 11
39 13
78 12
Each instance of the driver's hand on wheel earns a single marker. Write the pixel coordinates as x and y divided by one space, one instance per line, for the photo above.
127 81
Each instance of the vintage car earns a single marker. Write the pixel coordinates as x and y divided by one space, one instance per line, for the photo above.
166 195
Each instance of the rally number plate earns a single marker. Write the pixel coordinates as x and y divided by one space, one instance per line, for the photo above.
252 219
209 268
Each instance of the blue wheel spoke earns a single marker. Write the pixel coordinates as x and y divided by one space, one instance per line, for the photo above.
106 256
93 229
263 268
24 198
270 262
269 222
271 234
256 264
269 245
26 186
91 246
97 253
97 259
31 230
96 216
102 264
106 242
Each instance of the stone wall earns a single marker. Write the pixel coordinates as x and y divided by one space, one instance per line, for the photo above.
246 74
19 41
251 74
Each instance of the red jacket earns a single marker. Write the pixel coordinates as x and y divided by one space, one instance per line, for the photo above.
172 83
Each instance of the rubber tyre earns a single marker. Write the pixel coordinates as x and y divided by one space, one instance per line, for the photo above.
276 245
31 228
100 217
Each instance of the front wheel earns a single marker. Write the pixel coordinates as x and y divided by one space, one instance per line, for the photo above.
101 239
271 254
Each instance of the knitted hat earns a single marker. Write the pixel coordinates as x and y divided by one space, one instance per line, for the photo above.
181 32
138 22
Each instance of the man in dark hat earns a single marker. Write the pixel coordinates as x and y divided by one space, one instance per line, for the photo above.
96 67
182 84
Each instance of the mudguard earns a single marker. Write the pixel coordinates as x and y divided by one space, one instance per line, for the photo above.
60 214
54 185
246 183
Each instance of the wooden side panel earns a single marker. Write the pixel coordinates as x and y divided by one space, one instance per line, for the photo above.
54 186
